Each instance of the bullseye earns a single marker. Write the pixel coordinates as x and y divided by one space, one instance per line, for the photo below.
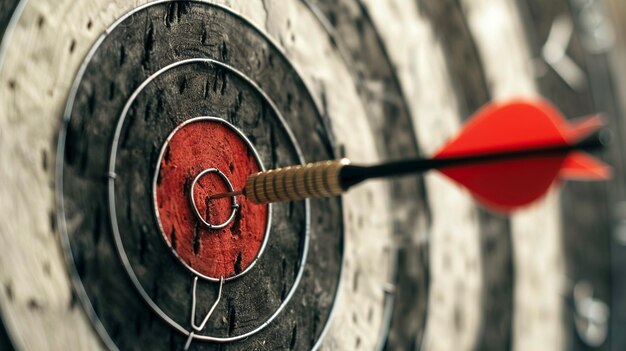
213 238
207 209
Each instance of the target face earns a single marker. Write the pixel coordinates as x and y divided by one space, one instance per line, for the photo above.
151 107
167 157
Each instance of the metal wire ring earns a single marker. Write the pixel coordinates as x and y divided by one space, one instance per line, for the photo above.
234 204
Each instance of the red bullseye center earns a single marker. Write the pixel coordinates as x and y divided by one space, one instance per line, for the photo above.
194 147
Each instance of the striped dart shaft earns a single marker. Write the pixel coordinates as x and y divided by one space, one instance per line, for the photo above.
293 183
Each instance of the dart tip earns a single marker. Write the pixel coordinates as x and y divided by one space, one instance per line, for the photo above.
223 195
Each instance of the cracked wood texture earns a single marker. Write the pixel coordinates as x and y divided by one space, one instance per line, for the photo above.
423 266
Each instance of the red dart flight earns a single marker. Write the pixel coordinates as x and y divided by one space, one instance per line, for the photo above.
506 185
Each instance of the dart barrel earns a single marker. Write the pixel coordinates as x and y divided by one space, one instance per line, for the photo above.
320 179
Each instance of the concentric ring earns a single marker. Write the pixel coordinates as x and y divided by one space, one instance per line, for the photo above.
301 110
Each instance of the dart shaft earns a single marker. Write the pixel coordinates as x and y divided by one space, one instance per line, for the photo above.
228 194
332 178
402 167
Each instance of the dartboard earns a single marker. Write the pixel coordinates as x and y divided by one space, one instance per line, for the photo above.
119 119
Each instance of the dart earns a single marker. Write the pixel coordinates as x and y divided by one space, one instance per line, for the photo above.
507 156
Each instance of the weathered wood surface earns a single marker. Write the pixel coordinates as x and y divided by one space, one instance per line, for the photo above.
465 279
